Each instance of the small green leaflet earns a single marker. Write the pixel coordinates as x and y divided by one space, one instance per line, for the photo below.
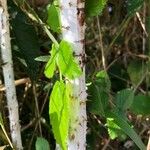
42 58
53 19
65 61
124 99
42 144
133 6
59 113
114 130
94 7
51 64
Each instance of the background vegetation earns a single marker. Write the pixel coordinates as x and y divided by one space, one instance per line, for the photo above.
117 46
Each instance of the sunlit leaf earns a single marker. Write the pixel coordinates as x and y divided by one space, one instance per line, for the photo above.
59 113
67 64
51 64
114 130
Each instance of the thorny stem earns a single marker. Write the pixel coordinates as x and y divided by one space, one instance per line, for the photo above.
8 73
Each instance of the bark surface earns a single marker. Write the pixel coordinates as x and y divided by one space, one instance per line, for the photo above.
73 31
8 73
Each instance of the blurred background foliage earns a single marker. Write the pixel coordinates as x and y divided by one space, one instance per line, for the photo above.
117 61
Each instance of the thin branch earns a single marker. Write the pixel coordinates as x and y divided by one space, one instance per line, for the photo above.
33 15
120 30
141 23
148 145
17 82
37 108
101 44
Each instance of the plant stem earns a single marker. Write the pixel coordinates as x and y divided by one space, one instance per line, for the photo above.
7 136
121 28
8 73
73 31
34 15
101 44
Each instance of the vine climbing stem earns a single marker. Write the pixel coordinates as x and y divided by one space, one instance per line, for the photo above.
7 66
73 30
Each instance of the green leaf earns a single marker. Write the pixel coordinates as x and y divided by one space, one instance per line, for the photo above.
103 78
124 99
53 18
42 144
51 64
136 69
98 94
59 113
126 128
67 64
141 105
42 58
63 57
133 6
114 130
94 7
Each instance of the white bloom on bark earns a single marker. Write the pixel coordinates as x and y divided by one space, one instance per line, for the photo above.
8 73
73 30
